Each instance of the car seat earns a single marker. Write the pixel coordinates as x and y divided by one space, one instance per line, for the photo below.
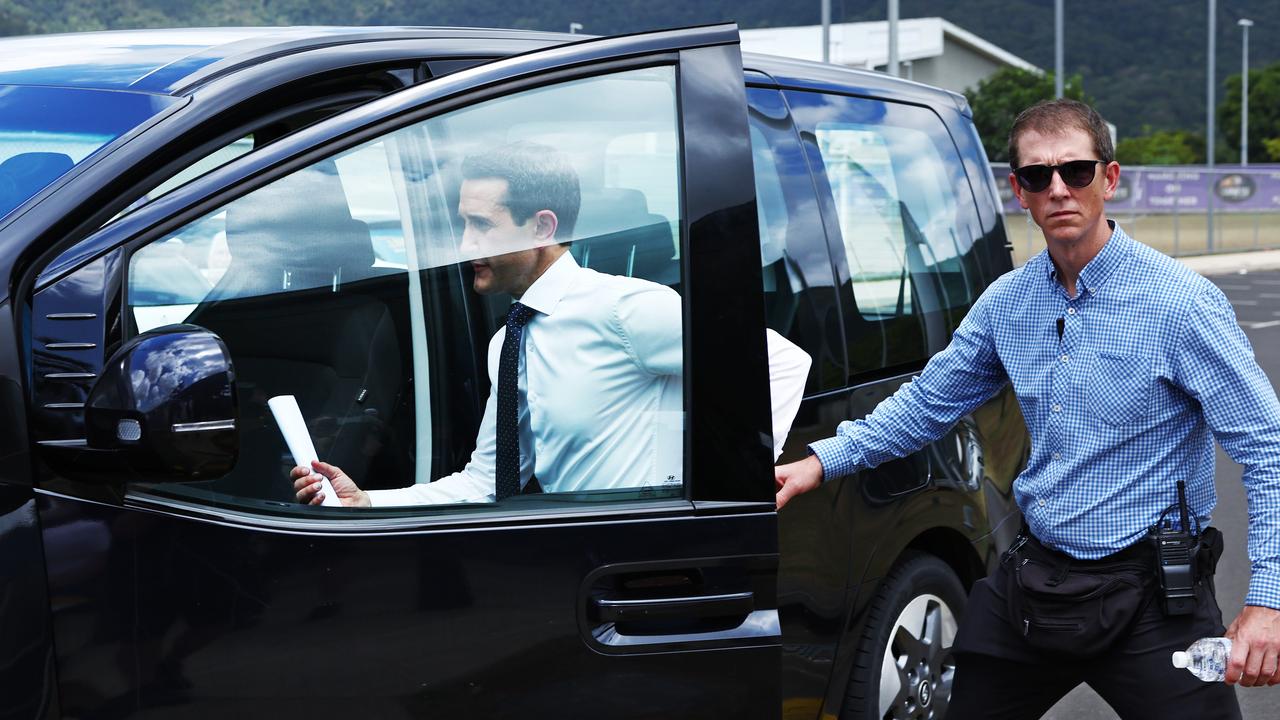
293 312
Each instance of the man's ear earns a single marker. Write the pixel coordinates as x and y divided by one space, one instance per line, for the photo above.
1113 179
1017 190
544 226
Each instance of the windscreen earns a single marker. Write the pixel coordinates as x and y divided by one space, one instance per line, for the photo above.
46 131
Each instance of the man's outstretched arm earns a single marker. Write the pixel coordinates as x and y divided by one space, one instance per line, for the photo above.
957 380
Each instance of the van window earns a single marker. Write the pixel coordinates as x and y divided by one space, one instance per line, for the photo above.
45 131
373 287
799 287
904 214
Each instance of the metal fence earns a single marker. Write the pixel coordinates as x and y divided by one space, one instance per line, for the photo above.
1179 210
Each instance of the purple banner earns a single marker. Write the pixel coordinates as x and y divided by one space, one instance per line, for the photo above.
1180 189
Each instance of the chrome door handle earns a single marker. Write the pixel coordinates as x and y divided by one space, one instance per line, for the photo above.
738 604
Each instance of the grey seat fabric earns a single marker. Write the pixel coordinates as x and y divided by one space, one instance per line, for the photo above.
297 320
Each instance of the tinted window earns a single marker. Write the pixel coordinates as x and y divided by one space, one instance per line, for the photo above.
799 287
905 217
46 131
358 286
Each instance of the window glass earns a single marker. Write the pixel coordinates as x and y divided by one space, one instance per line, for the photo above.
897 220
799 288
45 131
904 213
375 287
212 161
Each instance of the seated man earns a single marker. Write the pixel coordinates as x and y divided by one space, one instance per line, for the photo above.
587 372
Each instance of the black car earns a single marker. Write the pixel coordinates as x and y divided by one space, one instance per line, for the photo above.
195 221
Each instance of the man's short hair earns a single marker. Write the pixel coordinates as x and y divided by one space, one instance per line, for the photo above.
538 177
1054 117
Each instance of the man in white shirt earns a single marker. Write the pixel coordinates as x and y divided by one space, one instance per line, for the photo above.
597 359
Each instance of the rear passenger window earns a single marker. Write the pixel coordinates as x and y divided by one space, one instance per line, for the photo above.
799 287
904 213
374 287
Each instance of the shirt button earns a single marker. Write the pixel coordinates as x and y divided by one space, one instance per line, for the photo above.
1071 311
1066 358
1057 456
1057 408
1041 503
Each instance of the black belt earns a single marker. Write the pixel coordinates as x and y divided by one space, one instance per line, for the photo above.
1139 552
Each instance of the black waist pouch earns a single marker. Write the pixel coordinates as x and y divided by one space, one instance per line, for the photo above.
1071 608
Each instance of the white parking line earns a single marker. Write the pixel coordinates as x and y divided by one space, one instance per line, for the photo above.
1244 302
1259 325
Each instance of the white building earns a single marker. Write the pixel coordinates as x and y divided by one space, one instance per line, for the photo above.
930 50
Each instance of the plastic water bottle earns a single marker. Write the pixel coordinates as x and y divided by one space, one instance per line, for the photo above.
1207 658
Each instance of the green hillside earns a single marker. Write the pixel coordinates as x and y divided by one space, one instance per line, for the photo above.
1144 60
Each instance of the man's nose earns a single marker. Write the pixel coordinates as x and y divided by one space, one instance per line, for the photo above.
1058 188
468 246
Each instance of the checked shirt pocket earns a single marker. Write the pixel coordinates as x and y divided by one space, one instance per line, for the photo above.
1120 387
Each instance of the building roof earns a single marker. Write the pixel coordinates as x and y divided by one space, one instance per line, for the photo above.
866 44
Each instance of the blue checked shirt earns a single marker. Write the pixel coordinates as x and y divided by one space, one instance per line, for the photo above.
1150 369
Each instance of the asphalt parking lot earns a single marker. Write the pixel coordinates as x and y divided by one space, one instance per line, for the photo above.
1255 295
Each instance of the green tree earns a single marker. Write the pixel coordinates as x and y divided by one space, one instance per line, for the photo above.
997 101
1264 114
1161 147
13 20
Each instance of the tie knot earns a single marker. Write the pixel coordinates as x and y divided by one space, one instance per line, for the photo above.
519 315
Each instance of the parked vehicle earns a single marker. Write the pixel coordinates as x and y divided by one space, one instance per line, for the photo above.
288 198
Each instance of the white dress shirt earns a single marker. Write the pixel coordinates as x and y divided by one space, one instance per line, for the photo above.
600 391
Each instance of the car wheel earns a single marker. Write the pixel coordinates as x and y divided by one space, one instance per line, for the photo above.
904 667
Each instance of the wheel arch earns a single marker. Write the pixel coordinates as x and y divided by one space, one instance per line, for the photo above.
954 549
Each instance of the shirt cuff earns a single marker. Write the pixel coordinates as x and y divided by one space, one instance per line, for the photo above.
838 455
1264 590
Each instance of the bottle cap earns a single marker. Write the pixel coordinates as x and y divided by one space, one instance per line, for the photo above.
1180 659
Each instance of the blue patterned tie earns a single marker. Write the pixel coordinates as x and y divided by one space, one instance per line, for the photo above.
507 469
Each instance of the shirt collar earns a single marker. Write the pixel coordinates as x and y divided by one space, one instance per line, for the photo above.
545 292
1095 273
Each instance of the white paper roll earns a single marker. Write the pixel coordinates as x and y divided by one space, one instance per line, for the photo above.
294 428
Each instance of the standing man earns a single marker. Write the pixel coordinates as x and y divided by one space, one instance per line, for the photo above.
587 373
1127 365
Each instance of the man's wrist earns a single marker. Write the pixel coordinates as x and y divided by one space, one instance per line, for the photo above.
834 457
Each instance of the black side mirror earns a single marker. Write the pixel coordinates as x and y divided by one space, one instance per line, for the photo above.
165 404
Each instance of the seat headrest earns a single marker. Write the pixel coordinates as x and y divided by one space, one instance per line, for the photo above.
24 175
300 224
610 210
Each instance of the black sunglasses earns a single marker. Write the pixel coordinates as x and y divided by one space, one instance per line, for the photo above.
1076 173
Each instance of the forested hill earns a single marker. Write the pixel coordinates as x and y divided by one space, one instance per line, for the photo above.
1143 60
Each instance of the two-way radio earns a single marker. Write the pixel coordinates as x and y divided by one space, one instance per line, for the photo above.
1175 552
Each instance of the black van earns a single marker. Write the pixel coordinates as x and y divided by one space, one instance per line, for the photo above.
193 222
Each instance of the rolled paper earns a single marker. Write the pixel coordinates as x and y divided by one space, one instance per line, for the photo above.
294 428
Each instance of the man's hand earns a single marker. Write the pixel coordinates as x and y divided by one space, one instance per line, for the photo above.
796 478
307 485
1255 647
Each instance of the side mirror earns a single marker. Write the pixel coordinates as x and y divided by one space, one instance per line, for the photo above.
165 404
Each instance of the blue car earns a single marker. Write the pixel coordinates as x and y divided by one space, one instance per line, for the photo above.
196 224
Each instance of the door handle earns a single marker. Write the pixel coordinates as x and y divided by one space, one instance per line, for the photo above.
680 605
738 604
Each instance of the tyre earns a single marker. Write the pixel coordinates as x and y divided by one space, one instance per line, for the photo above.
903 666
